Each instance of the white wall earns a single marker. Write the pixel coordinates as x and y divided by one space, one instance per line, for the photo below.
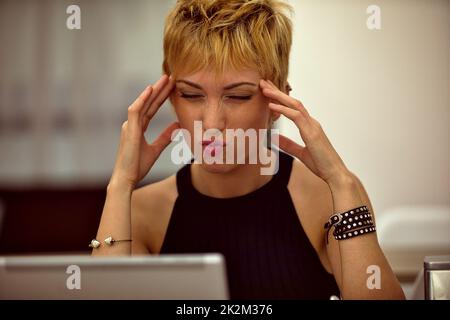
382 96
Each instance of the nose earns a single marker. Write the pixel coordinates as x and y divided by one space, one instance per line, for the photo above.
213 116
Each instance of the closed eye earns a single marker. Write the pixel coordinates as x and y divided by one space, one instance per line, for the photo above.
191 96
196 96
240 97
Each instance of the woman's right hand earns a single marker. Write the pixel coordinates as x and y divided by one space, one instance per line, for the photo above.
135 156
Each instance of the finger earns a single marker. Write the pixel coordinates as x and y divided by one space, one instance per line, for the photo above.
265 84
157 87
157 103
140 101
298 151
160 98
135 108
164 138
269 84
290 146
272 85
295 115
271 91
282 98
288 88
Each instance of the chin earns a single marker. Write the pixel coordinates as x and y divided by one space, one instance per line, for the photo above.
218 168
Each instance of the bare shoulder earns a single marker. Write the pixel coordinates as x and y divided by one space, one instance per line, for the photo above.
313 202
151 207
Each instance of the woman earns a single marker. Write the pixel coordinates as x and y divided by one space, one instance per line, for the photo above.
228 67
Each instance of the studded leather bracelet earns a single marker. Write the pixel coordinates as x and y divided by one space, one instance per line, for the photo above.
350 224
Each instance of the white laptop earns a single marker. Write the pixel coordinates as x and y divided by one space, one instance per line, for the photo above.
197 276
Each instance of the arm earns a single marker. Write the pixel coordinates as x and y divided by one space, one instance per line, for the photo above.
349 258
352 257
115 221
121 217
134 160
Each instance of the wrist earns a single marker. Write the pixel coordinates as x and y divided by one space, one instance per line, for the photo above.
116 185
342 180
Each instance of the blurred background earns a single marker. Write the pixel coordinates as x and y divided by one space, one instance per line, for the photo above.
381 95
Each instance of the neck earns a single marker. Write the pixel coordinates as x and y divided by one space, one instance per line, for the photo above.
241 180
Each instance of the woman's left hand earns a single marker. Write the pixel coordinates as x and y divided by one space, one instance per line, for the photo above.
318 154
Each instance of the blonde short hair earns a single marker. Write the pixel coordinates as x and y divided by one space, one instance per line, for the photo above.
229 33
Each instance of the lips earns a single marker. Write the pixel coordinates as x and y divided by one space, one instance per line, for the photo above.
211 147
213 144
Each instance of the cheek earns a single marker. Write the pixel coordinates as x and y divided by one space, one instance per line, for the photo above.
186 121
186 115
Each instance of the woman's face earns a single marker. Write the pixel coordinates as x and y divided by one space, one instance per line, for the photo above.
233 101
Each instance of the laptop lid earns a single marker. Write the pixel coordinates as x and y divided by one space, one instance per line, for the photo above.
179 276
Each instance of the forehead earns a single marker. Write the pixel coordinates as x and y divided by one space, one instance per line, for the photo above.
208 77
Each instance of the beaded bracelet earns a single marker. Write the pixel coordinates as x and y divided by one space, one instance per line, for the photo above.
351 223
109 241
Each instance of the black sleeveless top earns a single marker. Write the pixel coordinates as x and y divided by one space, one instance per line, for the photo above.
267 253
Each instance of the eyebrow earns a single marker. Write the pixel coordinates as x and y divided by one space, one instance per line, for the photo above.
230 86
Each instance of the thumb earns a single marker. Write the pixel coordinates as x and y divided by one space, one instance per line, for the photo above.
289 146
164 138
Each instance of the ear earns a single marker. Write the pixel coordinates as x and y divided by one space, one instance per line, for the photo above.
288 89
